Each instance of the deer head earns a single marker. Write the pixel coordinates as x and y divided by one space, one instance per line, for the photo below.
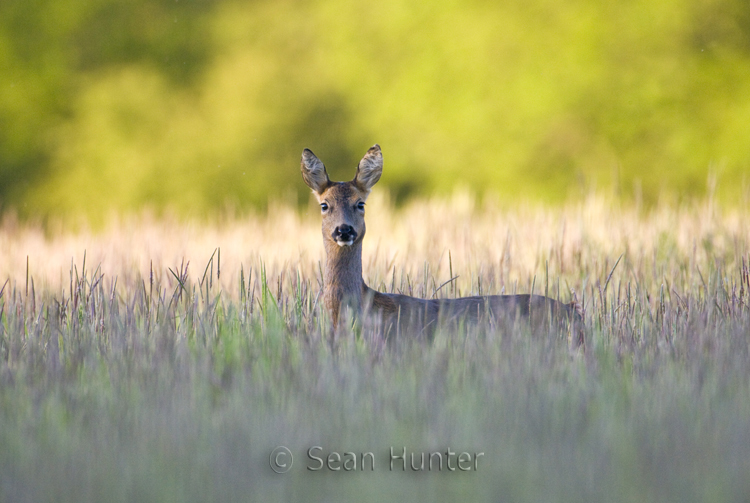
342 204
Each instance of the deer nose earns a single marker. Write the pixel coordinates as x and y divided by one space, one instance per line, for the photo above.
344 233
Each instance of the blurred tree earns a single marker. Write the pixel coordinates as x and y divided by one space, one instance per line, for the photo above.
198 105
47 49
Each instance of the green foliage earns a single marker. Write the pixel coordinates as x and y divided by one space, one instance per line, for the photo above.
49 52
199 105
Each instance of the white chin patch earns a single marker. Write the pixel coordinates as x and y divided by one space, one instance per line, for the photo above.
345 243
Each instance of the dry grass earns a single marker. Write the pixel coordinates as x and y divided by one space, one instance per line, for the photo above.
489 249
120 385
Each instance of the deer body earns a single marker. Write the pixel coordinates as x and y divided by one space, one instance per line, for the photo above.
342 207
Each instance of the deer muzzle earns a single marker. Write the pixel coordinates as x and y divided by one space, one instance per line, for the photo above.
344 235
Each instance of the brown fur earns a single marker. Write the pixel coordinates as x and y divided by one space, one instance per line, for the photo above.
345 288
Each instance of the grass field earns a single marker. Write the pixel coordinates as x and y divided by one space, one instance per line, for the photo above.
160 360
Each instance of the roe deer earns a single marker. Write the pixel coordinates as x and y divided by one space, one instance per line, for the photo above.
343 208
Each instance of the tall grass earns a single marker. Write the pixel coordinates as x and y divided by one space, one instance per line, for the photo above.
171 361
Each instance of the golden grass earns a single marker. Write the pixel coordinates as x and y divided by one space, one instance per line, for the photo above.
489 248
109 391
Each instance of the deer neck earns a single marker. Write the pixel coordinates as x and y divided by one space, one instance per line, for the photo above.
343 277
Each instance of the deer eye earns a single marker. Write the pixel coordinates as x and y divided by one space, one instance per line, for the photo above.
323 207
361 206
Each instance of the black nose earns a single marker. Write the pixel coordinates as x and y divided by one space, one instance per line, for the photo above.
344 233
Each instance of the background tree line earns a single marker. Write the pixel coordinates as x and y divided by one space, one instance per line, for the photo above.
198 105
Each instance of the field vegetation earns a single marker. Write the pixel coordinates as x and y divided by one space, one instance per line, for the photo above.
164 360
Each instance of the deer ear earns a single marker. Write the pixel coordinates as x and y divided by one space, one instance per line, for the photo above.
370 168
314 172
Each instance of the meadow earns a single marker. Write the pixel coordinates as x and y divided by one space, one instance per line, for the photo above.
162 359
